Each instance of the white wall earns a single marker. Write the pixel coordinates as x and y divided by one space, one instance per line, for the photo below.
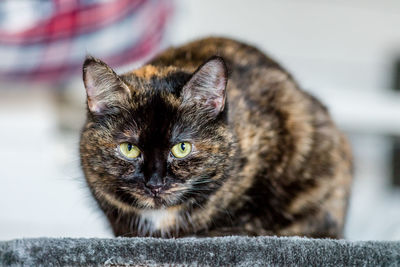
342 44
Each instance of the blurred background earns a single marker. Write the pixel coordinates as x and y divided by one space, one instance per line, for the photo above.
346 52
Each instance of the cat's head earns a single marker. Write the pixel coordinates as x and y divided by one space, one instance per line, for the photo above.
156 137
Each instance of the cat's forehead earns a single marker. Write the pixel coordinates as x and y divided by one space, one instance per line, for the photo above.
156 112
154 117
155 87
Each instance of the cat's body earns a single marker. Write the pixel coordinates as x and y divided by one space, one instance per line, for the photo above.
266 160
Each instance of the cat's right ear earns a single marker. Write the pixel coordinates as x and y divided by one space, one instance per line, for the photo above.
105 90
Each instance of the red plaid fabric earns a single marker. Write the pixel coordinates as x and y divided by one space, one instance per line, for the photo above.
52 48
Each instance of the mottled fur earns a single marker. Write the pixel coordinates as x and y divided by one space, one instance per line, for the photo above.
272 162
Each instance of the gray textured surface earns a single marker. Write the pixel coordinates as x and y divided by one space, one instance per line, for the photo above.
220 251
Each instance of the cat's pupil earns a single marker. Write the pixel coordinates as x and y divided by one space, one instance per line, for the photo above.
129 147
183 146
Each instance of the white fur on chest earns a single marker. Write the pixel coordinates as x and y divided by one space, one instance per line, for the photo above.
161 219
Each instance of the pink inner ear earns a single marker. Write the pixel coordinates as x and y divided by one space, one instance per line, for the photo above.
94 106
89 84
103 87
207 85
215 70
215 104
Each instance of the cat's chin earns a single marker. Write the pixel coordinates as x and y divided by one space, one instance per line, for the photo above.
166 198
138 198
161 201
132 202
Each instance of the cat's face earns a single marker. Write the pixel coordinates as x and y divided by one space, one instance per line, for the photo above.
155 138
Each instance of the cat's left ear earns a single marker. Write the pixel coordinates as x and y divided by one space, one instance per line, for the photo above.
207 86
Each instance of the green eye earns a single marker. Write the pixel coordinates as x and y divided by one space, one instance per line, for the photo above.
181 150
129 151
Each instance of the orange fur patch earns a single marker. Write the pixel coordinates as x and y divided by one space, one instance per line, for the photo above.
146 72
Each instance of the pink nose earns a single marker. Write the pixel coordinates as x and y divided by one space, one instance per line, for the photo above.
154 190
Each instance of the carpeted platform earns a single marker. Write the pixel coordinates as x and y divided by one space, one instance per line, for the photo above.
221 251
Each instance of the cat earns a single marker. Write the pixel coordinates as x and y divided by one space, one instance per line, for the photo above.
212 138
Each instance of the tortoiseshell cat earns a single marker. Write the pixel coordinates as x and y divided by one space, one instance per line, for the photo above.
212 138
